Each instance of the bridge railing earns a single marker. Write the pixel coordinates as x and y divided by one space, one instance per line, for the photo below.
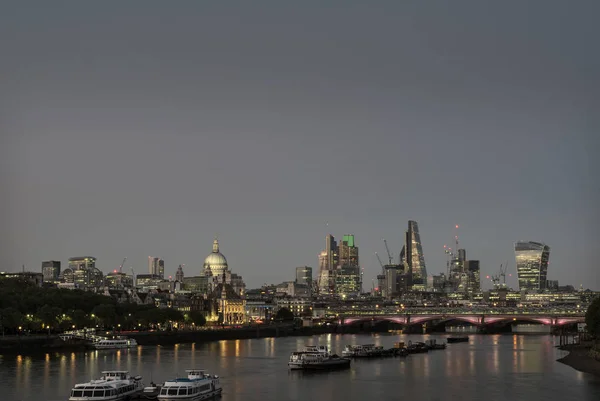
423 311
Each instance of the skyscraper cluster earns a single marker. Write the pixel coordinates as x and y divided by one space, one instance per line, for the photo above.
339 267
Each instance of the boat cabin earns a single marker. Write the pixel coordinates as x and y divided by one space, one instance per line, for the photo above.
115 375
91 391
321 349
196 374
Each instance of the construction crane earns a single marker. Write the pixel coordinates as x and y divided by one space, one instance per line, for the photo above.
390 258
133 276
380 263
501 274
122 264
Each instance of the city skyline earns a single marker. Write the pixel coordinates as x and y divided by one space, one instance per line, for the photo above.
512 278
149 133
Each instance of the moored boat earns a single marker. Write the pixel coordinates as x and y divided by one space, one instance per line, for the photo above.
311 361
368 351
463 339
114 385
433 345
417 348
296 357
198 385
115 343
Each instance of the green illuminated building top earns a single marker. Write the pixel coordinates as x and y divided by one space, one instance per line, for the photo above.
349 240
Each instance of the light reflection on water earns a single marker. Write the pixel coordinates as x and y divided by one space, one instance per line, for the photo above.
504 367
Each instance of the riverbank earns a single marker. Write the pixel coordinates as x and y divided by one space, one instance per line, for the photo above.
583 359
52 343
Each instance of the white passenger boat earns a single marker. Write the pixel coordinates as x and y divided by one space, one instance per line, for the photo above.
114 385
357 350
364 351
324 362
198 385
297 357
119 342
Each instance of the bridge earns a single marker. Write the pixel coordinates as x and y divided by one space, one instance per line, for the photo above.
474 316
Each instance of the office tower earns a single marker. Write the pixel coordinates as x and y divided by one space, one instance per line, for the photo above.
413 257
304 275
474 278
328 261
82 273
152 265
179 274
82 262
156 266
161 268
50 271
348 277
532 265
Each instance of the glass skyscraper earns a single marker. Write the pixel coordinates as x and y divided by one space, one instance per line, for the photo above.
532 264
415 259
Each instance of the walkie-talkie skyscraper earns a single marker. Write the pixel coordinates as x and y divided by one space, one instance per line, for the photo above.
532 264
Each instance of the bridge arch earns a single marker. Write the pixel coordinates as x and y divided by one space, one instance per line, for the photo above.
364 319
471 319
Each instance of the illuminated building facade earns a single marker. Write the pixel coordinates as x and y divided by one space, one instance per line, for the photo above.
304 275
413 258
532 265
156 266
83 274
51 271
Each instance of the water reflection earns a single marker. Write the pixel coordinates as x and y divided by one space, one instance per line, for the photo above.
257 370
46 370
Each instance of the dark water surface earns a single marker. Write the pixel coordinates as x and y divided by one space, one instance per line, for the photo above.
500 367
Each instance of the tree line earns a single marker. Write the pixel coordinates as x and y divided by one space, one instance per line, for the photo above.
592 318
25 307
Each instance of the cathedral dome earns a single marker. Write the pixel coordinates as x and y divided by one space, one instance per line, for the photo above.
215 262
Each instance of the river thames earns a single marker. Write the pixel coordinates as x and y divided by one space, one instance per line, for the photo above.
489 367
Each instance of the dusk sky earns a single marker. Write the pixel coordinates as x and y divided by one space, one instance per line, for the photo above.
130 129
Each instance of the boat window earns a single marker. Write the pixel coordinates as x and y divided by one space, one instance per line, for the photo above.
163 391
183 391
77 393
88 393
173 391
98 393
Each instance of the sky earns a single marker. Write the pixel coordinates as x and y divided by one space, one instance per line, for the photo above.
148 128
